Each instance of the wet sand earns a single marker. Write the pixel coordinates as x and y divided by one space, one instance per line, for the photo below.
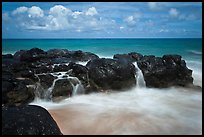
78 119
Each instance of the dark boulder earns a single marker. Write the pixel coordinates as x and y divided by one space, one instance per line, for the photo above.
28 120
7 56
83 56
79 71
21 66
43 69
16 93
61 60
130 57
52 53
61 68
46 80
166 71
62 87
113 74
31 55
18 54
7 76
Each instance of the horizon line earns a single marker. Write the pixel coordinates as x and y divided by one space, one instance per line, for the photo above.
115 38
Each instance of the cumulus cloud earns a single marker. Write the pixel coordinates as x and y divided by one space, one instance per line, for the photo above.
35 12
173 12
76 14
61 18
20 10
133 19
59 10
91 11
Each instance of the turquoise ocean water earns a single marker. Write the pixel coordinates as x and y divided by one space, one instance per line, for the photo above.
189 48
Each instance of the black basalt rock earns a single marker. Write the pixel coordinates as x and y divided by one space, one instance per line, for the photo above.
130 57
166 71
110 74
28 120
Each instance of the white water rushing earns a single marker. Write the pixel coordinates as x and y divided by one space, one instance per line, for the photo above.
47 93
137 111
139 77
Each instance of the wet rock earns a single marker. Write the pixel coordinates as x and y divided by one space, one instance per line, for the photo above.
79 71
43 69
7 56
166 71
18 54
130 57
31 55
16 93
63 88
61 68
83 56
57 53
46 80
28 120
111 74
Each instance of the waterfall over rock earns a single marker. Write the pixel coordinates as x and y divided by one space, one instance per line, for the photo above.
62 86
140 82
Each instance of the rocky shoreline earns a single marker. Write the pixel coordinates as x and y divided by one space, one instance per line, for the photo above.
29 70
57 74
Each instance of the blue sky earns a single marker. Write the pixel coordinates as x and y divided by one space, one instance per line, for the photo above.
101 19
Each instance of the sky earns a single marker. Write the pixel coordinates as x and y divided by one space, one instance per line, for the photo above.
101 20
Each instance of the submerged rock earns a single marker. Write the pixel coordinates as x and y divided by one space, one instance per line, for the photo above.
28 120
166 71
113 74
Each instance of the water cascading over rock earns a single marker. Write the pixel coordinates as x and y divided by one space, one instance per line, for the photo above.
139 77
61 87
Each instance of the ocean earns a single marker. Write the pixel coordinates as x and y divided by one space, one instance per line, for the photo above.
139 110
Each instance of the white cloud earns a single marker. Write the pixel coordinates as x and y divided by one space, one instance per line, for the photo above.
76 14
91 11
62 18
173 12
133 19
129 19
121 27
59 10
20 10
35 12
